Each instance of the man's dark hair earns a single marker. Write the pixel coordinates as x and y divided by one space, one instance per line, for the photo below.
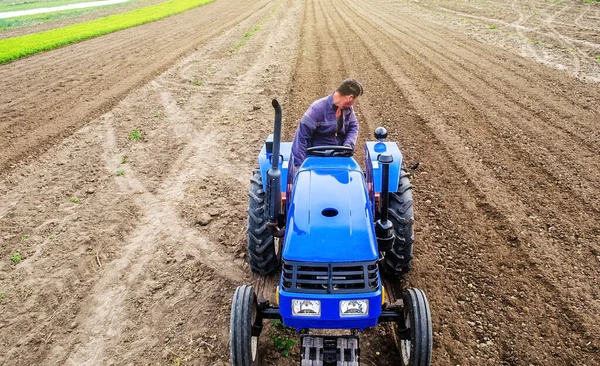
350 87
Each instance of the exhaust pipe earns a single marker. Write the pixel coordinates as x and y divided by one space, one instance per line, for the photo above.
274 176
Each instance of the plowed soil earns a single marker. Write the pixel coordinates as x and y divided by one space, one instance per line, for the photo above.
498 102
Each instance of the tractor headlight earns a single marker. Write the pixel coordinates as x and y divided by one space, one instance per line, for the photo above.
306 307
354 308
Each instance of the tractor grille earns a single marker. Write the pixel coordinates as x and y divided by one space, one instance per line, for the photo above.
330 277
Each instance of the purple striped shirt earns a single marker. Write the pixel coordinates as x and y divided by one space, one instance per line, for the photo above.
318 127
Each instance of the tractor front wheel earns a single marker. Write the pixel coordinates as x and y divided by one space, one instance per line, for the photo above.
261 244
400 212
243 330
415 346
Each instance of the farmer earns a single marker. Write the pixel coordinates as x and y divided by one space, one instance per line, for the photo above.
329 121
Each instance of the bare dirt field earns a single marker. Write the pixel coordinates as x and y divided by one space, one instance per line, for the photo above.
498 101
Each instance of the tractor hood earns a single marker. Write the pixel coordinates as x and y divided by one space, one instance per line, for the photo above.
329 217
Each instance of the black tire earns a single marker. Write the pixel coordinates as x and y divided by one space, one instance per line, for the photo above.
243 334
400 212
261 244
416 351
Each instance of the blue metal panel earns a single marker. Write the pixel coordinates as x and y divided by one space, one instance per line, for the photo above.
330 217
338 163
330 311
376 148
264 161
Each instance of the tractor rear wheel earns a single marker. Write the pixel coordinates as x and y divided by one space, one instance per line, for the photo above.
243 332
261 244
415 350
400 211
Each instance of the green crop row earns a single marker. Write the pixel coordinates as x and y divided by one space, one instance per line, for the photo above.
14 48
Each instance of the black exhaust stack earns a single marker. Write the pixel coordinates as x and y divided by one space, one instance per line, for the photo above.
384 230
274 175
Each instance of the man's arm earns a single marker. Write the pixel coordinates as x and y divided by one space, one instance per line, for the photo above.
302 139
352 134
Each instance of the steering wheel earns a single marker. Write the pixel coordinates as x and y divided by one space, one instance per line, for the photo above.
328 151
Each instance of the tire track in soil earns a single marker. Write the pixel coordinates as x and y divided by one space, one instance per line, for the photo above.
166 294
497 220
56 271
537 98
203 141
55 86
526 24
160 225
579 158
309 81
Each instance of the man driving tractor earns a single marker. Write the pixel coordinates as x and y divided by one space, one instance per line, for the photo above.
329 121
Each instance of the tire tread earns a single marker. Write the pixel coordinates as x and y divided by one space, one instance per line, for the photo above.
400 211
261 244
421 330
240 328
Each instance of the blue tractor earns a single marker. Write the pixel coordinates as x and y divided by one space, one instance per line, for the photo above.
339 226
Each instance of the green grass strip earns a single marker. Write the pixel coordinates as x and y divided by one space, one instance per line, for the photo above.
26 20
14 48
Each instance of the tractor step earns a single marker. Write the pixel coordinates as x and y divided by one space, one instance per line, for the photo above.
329 350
